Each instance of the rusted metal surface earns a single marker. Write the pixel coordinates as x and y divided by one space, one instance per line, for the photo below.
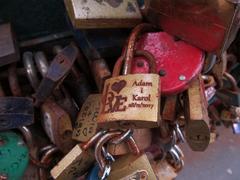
57 71
13 81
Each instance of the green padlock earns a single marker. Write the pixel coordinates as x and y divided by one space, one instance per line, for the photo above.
13 155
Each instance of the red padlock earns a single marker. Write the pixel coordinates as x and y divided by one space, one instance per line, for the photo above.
177 62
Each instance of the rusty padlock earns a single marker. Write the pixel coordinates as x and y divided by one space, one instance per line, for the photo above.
77 161
55 120
57 71
60 94
196 115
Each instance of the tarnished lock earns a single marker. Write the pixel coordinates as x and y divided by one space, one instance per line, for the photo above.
14 155
86 123
103 14
196 114
77 161
55 120
60 94
57 71
133 100
208 24
9 51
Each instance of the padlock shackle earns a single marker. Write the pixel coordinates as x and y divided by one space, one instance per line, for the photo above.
232 80
13 80
138 53
30 70
41 62
92 140
136 32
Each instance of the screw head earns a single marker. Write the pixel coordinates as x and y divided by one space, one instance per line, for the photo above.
182 78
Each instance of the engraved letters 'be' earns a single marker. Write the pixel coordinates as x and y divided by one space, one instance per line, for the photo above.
113 102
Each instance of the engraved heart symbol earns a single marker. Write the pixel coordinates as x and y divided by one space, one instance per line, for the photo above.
118 86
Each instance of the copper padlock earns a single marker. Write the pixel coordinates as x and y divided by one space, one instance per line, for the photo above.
131 100
196 114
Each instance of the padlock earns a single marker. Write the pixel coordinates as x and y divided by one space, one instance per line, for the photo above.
14 155
57 71
170 54
163 170
196 115
133 100
129 164
208 24
99 67
77 161
125 165
236 127
229 96
103 14
9 51
55 120
60 94
15 112
86 123
142 137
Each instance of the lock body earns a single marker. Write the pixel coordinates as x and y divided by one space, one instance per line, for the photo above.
74 164
103 14
15 112
128 164
14 155
86 124
196 114
208 24
130 101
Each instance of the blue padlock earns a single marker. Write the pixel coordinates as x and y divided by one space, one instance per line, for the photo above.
93 175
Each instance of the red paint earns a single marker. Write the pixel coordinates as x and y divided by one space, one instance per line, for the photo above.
176 58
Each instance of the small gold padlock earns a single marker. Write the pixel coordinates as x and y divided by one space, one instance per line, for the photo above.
131 101
86 124
77 161
196 114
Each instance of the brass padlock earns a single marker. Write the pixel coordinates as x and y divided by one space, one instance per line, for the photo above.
163 170
103 13
131 100
9 51
196 114
77 161
125 165
86 123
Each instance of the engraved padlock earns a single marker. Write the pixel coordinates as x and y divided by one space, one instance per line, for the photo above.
131 101
196 114
77 161
86 123
125 165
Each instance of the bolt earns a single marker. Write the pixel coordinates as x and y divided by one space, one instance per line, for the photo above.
182 78
162 72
